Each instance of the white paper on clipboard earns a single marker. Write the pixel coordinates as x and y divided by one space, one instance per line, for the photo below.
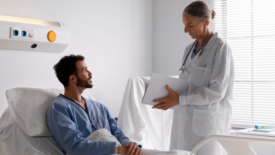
157 87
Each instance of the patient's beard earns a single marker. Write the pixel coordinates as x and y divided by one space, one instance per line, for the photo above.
83 83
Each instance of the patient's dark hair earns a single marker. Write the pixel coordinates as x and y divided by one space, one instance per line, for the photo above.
66 67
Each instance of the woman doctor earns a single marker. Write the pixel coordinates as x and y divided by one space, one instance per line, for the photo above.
208 67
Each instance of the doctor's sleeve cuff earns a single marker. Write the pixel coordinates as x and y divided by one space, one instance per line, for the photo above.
182 100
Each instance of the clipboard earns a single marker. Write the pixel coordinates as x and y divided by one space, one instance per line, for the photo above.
155 88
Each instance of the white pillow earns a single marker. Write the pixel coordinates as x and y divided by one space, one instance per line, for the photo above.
29 108
14 141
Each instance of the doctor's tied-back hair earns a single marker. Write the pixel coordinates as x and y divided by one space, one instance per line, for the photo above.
66 67
200 10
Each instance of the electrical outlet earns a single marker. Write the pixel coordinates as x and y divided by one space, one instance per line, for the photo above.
22 33
15 32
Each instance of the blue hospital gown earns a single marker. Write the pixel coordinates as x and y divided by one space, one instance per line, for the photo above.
70 124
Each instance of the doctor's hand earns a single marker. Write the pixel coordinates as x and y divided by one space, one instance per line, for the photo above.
133 149
168 102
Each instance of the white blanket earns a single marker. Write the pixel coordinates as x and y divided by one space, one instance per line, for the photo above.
105 135
142 124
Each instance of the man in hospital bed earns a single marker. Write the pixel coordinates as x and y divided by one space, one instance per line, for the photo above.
72 118
80 126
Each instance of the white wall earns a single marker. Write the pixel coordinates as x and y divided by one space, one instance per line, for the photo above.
169 39
114 36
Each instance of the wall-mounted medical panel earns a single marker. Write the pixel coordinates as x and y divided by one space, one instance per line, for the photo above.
33 35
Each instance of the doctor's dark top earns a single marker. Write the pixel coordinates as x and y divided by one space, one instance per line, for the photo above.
70 124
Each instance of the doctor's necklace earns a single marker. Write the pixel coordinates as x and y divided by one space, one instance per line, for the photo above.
183 68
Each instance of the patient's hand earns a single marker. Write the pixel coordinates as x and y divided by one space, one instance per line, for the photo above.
122 150
133 149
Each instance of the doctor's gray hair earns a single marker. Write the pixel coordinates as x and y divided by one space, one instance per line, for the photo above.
200 10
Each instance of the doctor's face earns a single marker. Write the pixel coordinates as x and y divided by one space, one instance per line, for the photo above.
193 27
84 76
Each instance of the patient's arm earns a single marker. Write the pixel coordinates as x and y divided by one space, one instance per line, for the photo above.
116 131
66 133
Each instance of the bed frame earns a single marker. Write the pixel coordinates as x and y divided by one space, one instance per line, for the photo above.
234 145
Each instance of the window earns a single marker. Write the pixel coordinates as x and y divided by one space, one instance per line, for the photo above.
248 28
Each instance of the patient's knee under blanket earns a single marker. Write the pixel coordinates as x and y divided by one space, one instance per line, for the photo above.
103 135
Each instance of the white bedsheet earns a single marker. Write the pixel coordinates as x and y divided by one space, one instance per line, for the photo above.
15 142
1 152
149 127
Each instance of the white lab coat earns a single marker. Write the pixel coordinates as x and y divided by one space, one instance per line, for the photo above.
206 108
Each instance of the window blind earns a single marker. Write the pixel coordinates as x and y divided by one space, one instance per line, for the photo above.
248 28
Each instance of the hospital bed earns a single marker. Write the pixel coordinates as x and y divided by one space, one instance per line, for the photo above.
235 145
23 129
